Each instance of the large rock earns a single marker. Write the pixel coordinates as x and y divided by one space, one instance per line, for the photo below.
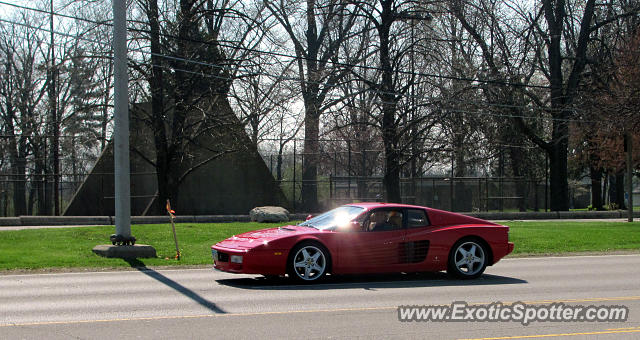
269 214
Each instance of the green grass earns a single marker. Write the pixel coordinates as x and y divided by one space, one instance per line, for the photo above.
635 208
509 210
568 237
71 247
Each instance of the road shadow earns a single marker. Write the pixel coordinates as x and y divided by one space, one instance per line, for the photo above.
369 281
140 266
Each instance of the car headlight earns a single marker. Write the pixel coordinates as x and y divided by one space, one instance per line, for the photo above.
236 258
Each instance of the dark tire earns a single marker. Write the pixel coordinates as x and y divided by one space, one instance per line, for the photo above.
308 262
468 258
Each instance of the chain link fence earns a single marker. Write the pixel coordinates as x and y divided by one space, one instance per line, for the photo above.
345 175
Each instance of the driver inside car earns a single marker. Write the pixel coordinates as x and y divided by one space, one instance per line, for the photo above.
385 220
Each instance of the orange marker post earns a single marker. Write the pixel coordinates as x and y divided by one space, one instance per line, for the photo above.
173 226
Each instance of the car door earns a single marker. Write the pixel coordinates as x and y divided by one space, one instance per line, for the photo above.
416 244
376 248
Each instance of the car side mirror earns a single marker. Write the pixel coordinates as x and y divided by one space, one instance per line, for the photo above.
309 217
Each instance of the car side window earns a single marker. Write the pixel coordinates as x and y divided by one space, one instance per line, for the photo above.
416 218
384 220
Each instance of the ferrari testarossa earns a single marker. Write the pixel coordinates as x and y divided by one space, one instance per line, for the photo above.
368 238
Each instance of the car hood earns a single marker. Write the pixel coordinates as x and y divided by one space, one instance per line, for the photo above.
256 238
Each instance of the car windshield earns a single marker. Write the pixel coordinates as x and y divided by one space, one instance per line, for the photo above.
333 218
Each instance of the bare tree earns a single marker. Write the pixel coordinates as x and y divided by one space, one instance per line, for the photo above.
327 25
261 96
393 49
23 90
189 102
558 32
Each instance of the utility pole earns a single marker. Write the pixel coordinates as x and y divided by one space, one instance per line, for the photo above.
121 125
123 243
54 126
628 143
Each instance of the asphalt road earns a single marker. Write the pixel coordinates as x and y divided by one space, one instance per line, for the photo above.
201 303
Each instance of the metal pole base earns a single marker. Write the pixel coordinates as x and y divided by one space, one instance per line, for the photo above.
121 240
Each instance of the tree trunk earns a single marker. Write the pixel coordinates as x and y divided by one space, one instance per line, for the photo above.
606 197
157 109
19 187
40 184
461 197
5 203
558 182
517 159
74 164
279 166
389 101
391 173
315 54
54 120
309 191
596 187
16 148
563 92
104 121
390 138
30 200
558 148
392 155
620 203
18 169
255 126
363 193
312 103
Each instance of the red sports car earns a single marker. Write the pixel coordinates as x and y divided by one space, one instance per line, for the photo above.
368 238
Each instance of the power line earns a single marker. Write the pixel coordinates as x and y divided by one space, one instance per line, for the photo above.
48 12
279 54
279 77
24 37
282 77
78 37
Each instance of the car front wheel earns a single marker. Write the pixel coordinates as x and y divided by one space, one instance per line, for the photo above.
308 263
468 259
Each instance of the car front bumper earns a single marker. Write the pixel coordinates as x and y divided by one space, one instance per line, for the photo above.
254 261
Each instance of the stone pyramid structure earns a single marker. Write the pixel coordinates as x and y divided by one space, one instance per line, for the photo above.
230 184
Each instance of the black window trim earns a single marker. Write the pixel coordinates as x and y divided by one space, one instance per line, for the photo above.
406 216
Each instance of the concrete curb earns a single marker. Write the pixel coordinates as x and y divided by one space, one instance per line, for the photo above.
110 220
553 215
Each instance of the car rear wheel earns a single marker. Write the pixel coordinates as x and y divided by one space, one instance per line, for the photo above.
308 263
468 259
